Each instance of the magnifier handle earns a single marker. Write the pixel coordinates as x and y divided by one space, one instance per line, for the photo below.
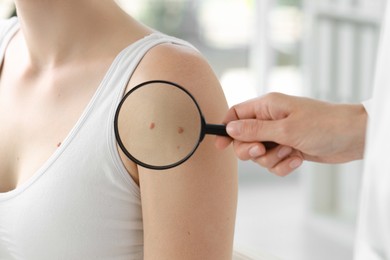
221 130
215 130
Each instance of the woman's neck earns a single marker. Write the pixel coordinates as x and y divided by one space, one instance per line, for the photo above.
55 31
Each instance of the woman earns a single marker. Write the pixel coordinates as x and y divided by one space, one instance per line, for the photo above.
67 191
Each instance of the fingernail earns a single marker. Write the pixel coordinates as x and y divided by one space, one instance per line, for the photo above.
295 163
284 151
234 128
255 151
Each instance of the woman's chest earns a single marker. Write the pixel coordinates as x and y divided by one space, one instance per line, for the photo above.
36 116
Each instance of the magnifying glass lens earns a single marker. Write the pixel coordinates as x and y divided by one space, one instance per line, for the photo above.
158 125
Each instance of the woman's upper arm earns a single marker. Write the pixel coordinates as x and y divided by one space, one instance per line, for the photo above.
189 211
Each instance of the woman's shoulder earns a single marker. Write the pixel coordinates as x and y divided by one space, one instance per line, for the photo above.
181 63
176 60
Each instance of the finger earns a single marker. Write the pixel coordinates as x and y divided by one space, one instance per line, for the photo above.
287 166
272 106
245 110
222 142
274 156
251 130
247 151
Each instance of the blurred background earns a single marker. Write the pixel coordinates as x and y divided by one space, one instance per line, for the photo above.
323 49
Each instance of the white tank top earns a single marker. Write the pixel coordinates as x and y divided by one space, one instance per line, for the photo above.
82 203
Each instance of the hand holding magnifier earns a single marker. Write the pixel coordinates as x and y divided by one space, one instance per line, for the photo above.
159 125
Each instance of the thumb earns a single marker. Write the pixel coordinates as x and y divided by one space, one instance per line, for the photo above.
253 130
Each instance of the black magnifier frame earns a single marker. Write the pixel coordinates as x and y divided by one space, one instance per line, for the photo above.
211 129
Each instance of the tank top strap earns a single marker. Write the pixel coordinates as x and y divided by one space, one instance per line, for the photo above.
125 65
8 28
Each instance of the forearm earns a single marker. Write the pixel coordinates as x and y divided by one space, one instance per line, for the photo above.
350 135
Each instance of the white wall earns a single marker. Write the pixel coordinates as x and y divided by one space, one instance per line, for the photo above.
341 38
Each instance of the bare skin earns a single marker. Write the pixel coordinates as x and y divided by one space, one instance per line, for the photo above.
52 68
305 129
38 80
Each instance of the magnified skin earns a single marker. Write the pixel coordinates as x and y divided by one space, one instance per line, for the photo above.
173 110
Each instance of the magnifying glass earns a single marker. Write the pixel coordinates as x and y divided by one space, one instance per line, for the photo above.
159 125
